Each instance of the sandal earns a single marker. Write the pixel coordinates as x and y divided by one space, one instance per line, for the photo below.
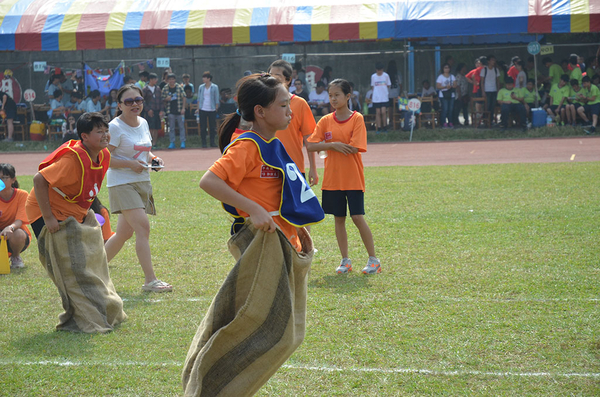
157 286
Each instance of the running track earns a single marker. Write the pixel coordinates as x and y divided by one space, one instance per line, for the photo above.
388 154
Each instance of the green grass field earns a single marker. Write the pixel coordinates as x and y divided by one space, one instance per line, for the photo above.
490 286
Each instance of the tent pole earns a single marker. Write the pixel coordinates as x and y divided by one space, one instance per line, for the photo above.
194 68
535 73
405 68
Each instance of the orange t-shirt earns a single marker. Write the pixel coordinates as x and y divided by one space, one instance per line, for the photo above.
14 209
342 172
302 124
66 175
243 170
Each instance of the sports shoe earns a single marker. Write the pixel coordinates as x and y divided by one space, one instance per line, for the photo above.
172 145
373 266
345 267
182 145
590 130
450 125
445 125
16 262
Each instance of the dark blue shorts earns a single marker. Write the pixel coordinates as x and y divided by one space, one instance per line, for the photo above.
377 105
593 109
555 107
335 202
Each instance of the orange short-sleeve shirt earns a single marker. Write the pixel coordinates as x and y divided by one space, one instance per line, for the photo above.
65 174
302 124
342 172
243 170
14 209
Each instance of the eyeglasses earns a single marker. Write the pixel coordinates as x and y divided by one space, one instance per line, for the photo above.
298 83
129 101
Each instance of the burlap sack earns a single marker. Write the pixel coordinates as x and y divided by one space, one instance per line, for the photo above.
256 320
75 260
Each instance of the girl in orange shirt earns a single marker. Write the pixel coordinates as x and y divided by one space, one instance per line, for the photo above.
248 176
13 218
344 136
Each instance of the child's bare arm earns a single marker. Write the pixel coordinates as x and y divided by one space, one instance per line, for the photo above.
220 190
41 187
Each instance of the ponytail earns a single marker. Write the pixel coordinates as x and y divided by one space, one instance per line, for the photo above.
256 89
227 128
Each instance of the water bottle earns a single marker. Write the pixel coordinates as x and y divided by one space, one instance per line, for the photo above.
323 154
548 120
197 118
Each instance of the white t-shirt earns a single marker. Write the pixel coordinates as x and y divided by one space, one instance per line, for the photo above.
131 143
521 80
444 81
319 98
207 104
381 85
428 92
490 79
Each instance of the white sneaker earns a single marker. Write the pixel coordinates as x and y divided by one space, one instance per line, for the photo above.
16 262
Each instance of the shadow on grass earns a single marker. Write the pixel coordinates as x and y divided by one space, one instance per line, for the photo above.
55 344
344 284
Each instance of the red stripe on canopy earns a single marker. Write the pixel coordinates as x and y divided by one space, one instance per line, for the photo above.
155 28
90 31
28 36
281 24
540 16
217 27
345 30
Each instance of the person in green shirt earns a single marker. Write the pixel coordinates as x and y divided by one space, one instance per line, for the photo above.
558 93
592 106
529 95
575 69
554 71
510 101
575 101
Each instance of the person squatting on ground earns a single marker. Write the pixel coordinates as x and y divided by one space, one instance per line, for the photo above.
69 237
128 182
343 134
13 218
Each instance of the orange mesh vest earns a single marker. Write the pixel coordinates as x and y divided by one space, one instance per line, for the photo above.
92 172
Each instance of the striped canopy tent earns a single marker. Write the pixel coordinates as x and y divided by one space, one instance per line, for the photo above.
65 25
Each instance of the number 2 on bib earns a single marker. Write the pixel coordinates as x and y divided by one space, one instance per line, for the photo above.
294 173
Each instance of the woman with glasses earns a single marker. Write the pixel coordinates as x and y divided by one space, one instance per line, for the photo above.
128 182
299 91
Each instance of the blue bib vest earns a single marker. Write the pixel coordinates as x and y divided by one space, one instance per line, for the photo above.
298 206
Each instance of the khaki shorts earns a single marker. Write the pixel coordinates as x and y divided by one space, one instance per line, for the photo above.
131 196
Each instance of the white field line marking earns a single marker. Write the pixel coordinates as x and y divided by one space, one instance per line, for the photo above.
410 300
572 157
319 368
